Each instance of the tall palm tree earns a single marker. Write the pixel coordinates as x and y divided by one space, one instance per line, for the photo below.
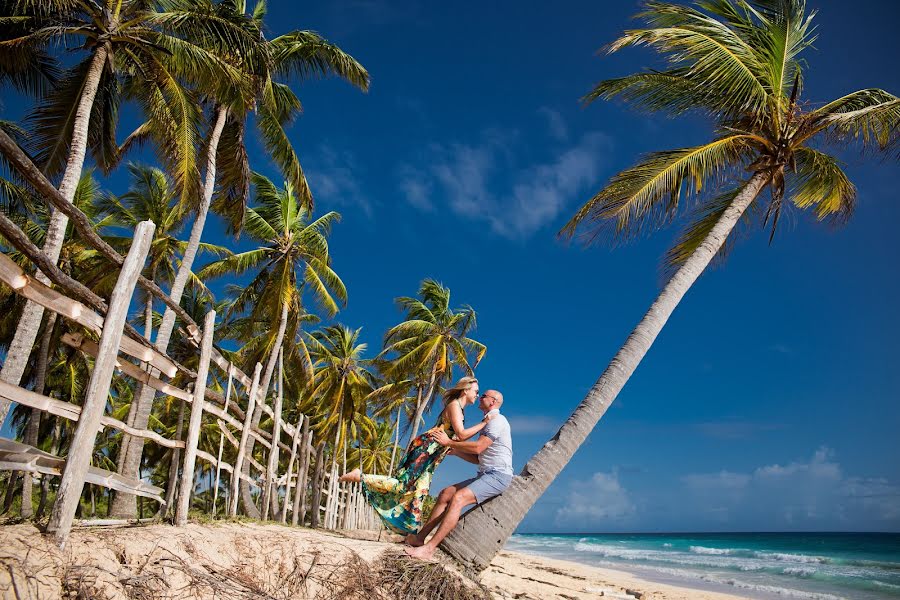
341 386
293 254
130 49
150 197
298 55
739 62
431 341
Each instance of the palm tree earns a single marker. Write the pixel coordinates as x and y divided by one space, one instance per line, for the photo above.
299 54
375 450
151 197
294 250
341 386
431 341
131 50
739 62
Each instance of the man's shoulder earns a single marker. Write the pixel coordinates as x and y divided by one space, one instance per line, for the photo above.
498 422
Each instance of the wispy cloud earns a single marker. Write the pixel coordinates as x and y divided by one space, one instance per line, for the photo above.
555 123
815 493
485 181
533 424
334 181
601 499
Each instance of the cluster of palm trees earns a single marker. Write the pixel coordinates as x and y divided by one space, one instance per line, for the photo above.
201 73
197 68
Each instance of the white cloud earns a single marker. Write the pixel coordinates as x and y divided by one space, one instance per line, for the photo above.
814 494
533 424
556 124
467 177
333 180
600 499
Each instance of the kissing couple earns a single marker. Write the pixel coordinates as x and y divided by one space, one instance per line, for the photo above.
398 499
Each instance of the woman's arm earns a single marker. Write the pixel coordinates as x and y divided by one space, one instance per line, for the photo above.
456 421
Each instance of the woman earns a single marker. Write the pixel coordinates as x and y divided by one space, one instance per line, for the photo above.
398 500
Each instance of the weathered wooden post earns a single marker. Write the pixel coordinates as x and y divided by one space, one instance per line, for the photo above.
290 470
193 436
299 514
316 500
270 492
82 447
242 449
228 389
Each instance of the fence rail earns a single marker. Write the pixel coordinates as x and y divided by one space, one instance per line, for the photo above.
116 350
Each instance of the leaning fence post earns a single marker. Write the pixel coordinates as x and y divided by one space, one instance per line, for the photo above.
222 437
82 447
290 469
193 436
271 490
299 513
242 449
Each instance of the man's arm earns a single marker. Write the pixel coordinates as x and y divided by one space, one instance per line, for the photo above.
466 456
476 447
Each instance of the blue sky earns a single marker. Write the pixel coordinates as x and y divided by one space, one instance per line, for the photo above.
770 400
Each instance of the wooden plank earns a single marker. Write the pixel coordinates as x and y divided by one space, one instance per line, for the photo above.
54 199
21 457
32 289
242 447
72 412
193 434
231 439
82 446
90 348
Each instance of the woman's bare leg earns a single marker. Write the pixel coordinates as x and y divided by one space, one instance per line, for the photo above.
353 476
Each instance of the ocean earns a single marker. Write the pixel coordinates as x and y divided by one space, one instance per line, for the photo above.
765 566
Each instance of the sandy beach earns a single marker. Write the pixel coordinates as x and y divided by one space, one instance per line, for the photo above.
246 560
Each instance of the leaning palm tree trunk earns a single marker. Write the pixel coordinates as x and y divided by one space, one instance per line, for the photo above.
30 322
132 447
482 533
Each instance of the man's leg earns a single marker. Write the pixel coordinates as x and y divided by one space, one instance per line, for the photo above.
460 500
440 505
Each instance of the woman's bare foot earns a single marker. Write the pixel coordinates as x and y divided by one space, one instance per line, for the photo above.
413 540
353 476
422 552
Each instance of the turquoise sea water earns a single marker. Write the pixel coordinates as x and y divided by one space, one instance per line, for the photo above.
812 566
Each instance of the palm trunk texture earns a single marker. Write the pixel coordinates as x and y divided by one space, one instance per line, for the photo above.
482 532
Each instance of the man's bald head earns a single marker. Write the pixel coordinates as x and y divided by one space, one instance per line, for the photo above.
491 400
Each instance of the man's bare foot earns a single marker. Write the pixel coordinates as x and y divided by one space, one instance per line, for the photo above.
353 476
413 540
422 552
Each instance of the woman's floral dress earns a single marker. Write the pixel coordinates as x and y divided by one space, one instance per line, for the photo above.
398 499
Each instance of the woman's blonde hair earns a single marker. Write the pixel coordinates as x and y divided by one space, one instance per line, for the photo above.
458 389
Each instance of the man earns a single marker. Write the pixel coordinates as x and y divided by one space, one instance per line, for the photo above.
492 452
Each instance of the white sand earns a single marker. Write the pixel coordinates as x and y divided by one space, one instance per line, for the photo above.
250 560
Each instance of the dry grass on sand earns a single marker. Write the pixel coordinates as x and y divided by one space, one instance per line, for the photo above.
234 561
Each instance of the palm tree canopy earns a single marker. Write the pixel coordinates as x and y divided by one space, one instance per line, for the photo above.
739 62
292 57
342 384
150 51
433 335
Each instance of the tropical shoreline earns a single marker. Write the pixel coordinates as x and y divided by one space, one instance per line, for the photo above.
204 560
525 575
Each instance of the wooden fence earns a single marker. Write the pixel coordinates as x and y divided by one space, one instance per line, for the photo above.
119 347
